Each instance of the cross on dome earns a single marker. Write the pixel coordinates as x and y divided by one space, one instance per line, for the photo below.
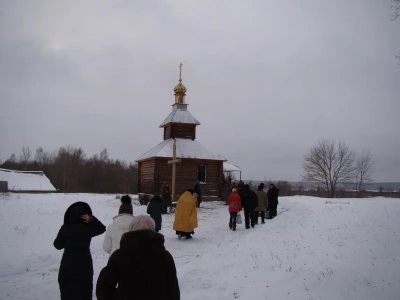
180 89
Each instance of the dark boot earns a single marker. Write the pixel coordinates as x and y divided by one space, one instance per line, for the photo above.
234 227
230 225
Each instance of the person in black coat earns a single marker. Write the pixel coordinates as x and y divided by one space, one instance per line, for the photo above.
227 191
155 209
166 198
272 196
249 203
197 190
240 187
142 267
75 276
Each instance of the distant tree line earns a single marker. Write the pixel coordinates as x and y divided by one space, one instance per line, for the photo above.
71 171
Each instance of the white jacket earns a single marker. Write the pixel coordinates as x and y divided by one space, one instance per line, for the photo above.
115 230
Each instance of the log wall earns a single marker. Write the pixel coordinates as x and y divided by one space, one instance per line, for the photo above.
183 131
146 176
186 176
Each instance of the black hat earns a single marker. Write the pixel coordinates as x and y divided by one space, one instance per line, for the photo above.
126 199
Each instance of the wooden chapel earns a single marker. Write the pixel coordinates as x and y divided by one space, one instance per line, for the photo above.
196 161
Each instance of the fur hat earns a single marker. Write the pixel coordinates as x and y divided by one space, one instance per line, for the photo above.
142 222
125 208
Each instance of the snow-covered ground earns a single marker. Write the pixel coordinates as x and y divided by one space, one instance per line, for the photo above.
314 249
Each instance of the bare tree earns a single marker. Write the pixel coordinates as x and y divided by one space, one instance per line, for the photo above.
363 168
43 157
12 159
330 164
396 9
25 156
396 14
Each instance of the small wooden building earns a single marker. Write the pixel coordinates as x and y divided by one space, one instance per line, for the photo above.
197 162
25 182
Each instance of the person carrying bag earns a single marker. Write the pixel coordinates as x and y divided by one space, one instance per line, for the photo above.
234 207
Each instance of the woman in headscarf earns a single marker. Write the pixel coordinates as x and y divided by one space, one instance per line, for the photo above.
75 276
142 267
186 214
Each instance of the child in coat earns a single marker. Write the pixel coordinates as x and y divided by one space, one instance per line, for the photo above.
234 207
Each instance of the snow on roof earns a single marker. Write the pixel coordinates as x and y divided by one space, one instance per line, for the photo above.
185 148
231 168
26 181
180 114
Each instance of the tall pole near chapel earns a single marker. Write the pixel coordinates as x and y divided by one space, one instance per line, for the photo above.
173 162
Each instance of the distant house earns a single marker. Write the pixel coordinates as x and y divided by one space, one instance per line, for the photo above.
230 168
26 181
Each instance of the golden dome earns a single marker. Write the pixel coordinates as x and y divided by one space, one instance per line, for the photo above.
180 88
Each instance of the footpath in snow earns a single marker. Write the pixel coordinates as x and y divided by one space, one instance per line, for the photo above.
314 249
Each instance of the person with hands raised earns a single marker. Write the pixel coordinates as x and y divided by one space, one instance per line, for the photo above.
75 277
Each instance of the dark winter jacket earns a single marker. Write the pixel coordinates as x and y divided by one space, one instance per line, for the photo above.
249 199
142 268
197 190
272 195
166 196
240 185
240 188
75 276
154 209
227 192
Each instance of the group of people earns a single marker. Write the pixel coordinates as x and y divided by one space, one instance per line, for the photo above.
138 258
255 204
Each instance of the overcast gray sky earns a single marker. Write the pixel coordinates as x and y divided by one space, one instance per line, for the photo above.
266 78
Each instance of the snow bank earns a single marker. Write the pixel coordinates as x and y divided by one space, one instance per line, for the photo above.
314 249
26 181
